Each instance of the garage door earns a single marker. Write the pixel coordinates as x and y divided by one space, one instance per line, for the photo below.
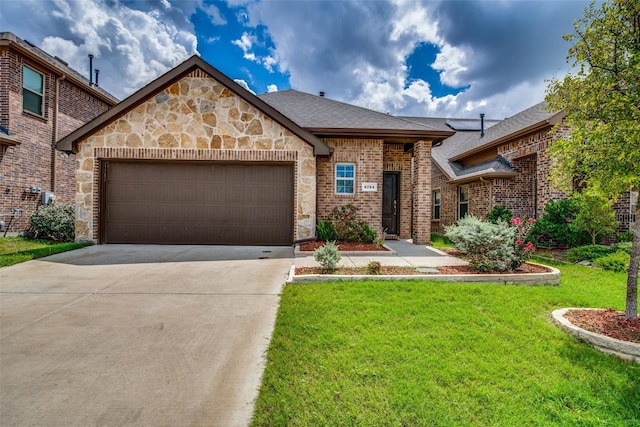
197 203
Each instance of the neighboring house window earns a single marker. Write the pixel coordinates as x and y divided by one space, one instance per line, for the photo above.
32 91
436 204
345 178
463 201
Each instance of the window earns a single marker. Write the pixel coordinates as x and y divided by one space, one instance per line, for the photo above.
345 178
463 201
32 91
436 204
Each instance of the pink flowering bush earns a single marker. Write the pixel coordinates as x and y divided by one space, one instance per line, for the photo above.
524 248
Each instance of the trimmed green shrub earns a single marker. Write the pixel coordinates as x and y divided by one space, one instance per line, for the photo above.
588 253
499 212
617 261
595 217
328 256
326 232
625 236
54 222
623 247
555 225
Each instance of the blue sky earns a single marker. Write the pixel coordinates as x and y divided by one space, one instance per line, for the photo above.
448 58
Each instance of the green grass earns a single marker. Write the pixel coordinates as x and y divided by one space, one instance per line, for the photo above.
14 250
440 354
440 241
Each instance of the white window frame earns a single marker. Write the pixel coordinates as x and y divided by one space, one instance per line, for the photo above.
438 205
460 202
41 95
337 178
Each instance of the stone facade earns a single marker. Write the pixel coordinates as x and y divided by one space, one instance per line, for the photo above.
34 162
194 119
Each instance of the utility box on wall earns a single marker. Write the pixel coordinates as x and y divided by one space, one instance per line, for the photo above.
48 198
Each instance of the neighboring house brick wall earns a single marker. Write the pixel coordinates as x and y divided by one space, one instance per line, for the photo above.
31 162
195 119
367 155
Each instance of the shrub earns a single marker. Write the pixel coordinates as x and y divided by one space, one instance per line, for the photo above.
348 228
588 253
489 246
499 212
556 224
623 247
380 239
595 216
617 261
326 232
328 256
54 222
374 267
625 236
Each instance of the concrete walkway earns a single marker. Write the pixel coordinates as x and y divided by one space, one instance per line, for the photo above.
403 254
116 335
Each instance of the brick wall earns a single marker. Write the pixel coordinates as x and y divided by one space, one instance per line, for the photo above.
31 162
395 159
367 155
422 193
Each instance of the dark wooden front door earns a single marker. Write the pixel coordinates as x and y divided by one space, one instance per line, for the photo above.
390 202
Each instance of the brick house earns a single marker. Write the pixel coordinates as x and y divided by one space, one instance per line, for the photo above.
504 164
41 100
194 158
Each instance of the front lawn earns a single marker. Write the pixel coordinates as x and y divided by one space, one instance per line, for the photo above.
427 353
14 250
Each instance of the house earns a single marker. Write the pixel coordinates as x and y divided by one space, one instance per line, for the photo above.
504 164
41 100
194 158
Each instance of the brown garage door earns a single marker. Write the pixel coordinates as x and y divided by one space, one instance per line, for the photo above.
197 203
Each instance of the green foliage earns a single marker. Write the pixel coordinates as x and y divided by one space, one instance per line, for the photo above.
54 222
440 241
374 267
625 236
556 224
499 213
488 246
595 216
617 261
348 228
380 239
588 253
328 256
623 247
14 250
326 231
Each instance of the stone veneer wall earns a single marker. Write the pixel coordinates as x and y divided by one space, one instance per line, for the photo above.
194 119
367 155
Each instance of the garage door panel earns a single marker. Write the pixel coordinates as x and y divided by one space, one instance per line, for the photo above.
197 203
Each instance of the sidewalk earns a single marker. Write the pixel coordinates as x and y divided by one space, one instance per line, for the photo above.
403 253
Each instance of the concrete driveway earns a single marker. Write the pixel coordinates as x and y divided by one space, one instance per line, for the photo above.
118 335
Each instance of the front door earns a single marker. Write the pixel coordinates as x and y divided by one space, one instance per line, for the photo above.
390 202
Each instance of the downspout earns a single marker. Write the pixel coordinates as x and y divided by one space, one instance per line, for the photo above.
54 157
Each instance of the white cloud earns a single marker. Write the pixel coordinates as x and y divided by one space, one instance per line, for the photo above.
272 88
244 85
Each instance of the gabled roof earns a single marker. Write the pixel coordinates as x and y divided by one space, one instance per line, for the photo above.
54 63
447 123
463 144
69 142
324 116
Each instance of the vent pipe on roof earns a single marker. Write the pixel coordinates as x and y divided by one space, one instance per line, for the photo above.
322 93
481 125
90 70
97 73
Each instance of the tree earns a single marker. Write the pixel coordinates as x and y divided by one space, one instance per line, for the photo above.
594 216
601 100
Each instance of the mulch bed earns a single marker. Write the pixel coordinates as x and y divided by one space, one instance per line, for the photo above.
451 269
606 322
343 246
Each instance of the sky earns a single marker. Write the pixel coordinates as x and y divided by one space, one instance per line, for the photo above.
448 58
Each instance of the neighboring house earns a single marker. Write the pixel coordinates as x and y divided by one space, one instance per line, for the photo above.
505 164
41 100
194 158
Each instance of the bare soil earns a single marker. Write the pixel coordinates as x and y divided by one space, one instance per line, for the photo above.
343 246
451 269
606 322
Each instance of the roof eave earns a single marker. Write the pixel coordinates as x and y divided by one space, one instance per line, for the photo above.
381 133
69 142
482 176
536 127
